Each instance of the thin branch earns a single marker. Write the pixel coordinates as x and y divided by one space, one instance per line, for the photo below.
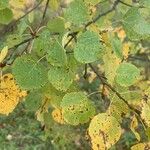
85 71
126 4
45 11
93 21
30 11
21 43
129 4
8 27
139 58
73 35
104 82
103 14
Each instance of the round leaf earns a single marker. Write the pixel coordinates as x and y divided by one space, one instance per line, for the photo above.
88 47
28 73
77 12
60 78
104 131
76 108
127 74
6 16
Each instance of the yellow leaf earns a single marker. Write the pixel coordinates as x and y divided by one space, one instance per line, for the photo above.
3 53
10 94
126 49
133 126
57 116
141 146
104 131
54 4
110 66
146 112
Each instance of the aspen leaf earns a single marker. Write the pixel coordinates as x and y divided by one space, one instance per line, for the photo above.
136 27
141 146
146 113
3 4
88 48
61 78
133 126
127 74
6 16
104 131
77 108
56 25
28 73
77 12
3 53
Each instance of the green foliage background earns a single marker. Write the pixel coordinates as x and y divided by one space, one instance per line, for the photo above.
90 60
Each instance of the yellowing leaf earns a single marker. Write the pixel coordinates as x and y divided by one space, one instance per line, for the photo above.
54 4
117 108
121 33
146 112
126 49
10 94
141 146
104 131
133 126
110 66
3 53
57 116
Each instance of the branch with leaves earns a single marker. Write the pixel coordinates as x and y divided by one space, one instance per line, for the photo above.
47 61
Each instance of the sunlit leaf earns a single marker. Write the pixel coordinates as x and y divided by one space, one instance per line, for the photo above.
104 131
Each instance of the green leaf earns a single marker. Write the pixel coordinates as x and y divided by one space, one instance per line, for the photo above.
56 54
6 16
13 39
22 26
53 95
28 73
104 131
135 25
88 47
145 3
3 4
77 12
61 78
76 108
73 64
33 100
117 46
43 43
56 25
127 74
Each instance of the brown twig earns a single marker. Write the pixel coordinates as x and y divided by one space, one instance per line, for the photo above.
126 4
104 82
45 11
103 14
8 27
85 71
